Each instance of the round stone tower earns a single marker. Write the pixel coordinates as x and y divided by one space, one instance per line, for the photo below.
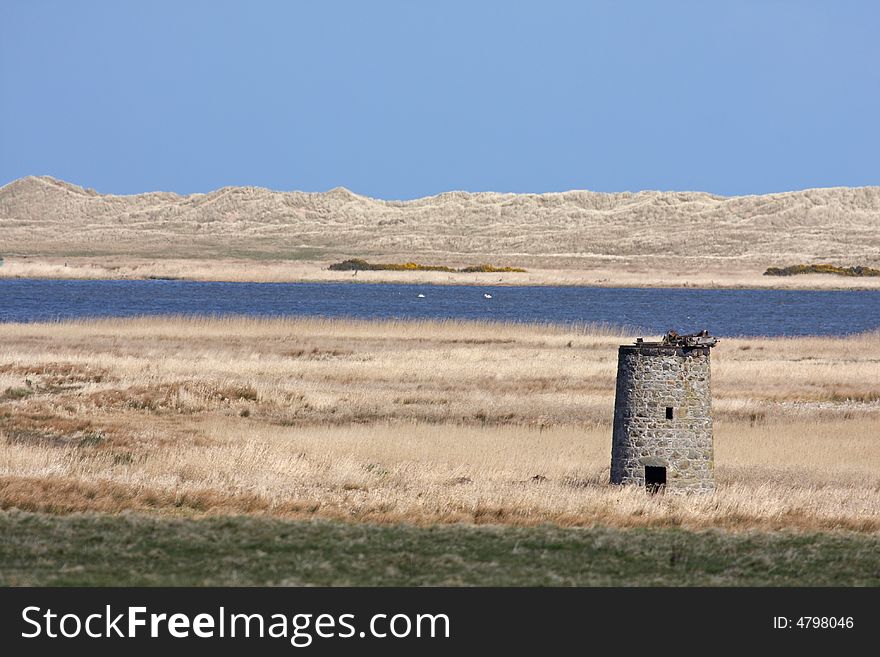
663 415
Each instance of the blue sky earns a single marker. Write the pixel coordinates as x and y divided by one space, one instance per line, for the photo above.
406 99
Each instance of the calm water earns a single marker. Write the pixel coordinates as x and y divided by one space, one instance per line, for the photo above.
723 312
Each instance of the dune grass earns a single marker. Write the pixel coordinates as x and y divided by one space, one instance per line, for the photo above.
55 229
43 216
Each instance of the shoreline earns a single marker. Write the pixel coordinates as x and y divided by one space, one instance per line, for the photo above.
281 271
328 281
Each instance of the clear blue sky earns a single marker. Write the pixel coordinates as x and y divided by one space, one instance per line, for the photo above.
406 99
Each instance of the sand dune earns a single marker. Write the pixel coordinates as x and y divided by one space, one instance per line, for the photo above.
49 217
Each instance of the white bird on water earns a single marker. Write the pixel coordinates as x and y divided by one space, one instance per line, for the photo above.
487 296
421 296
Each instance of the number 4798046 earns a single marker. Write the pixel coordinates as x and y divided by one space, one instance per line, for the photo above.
824 622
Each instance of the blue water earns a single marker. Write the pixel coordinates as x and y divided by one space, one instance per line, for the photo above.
723 312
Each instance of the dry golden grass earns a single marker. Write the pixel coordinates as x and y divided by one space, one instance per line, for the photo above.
417 421
576 237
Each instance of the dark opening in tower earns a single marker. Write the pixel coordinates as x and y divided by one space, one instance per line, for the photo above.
655 478
669 412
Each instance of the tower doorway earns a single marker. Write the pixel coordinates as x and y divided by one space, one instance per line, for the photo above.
655 478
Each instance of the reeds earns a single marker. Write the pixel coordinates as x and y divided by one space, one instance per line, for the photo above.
426 421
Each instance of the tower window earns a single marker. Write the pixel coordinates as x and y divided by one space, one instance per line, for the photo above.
669 412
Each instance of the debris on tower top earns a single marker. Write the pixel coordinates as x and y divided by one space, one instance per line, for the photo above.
675 339
701 339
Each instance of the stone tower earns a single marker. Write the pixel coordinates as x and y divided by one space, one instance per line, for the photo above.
663 415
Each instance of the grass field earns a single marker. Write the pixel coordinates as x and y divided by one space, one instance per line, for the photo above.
405 427
138 550
419 422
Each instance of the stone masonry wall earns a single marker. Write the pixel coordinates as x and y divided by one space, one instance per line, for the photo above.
650 379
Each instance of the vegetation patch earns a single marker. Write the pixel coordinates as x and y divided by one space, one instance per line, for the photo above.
250 551
15 393
822 269
420 422
356 264
491 269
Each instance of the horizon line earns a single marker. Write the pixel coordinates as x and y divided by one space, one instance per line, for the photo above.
342 188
